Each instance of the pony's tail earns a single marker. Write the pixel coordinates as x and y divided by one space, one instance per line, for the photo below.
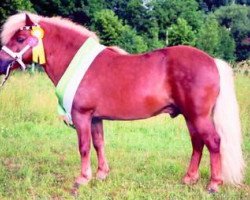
227 124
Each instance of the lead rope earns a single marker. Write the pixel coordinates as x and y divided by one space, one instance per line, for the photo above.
7 74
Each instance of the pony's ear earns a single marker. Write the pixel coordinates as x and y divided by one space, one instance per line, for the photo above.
28 21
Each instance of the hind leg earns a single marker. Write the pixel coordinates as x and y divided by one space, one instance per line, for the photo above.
98 142
192 174
204 128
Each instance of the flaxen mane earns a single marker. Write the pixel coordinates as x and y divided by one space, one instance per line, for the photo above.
15 22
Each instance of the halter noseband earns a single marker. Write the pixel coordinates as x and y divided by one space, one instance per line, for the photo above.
17 56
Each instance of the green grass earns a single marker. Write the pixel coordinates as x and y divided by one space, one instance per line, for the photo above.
39 156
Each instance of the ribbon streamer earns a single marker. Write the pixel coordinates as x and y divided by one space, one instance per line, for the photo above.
38 54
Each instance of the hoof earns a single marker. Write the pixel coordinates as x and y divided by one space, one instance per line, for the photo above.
211 190
102 175
190 180
213 187
75 190
82 180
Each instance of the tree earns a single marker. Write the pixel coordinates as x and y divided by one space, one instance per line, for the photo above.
135 13
117 6
112 31
208 37
107 24
209 5
216 40
81 11
166 13
236 19
243 2
130 41
152 38
226 47
181 33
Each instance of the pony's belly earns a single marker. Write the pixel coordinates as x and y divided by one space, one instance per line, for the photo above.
149 107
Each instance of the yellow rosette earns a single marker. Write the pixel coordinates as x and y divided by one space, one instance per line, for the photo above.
38 54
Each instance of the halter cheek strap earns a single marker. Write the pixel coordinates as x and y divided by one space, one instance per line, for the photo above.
17 56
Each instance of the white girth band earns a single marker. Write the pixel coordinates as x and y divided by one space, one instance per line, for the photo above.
68 84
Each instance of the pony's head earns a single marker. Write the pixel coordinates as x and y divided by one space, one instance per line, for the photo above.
18 38
18 42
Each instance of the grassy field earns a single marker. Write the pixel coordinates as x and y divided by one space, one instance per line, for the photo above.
39 156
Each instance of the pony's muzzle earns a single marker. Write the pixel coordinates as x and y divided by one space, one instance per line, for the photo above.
4 65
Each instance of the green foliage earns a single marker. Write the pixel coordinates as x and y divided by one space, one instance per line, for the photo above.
132 12
237 19
54 7
94 6
208 5
216 40
113 32
10 7
137 15
166 13
233 17
152 39
227 46
131 42
208 36
78 10
108 26
181 33
243 2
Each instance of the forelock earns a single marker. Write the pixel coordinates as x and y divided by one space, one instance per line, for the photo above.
14 23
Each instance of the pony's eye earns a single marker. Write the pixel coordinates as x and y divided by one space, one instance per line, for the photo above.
20 39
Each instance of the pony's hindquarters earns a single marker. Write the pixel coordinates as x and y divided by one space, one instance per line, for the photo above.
227 124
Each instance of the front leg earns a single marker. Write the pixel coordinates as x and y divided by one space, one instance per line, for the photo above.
98 142
82 122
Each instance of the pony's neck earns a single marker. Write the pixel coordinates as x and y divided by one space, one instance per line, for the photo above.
60 44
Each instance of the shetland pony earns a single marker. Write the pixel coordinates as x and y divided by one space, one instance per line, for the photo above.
121 86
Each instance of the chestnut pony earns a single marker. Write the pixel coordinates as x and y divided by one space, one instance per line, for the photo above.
121 86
